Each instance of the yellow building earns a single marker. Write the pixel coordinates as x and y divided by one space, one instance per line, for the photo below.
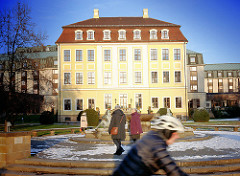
130 61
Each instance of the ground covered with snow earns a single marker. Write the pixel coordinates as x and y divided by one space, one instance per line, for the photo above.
222 144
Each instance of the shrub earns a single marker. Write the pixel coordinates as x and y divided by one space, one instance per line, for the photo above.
201 115
190 113
92 117
233 111
46 117
162 111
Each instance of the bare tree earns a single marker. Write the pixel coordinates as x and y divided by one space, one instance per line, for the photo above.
16 31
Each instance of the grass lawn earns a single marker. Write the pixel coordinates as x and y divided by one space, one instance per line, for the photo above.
213 123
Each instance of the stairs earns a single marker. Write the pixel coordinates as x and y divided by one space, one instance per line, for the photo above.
32 166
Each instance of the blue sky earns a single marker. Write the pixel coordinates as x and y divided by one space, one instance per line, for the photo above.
212 27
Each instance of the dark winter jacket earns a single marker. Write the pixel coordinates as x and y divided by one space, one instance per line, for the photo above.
117 115
147 156
135 124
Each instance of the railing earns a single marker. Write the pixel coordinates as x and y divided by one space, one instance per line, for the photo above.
53 130
215 127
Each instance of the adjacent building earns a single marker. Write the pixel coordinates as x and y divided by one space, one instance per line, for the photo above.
131 61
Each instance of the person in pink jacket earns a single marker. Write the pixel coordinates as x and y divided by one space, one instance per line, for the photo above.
135 125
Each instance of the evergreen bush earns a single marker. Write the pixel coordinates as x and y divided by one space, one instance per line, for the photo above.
92 117
46 117
201 115
162 111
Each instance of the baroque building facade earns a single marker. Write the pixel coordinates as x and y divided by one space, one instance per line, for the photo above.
131 61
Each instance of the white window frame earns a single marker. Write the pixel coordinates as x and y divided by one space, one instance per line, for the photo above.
81 80
69 55
176 102
175 54
122 55
136 81
157 102
124 74
78 35
92 80
82 104
107 78
64 104
163 34
153 37
69 78
124 98
89 36
135 99
193 69
152 77
107 97
121 36
104 55
93 100
168 76
180 76
169 102
107 36
167 58
93 55
135 35
154 54
137 54
81 56
192 59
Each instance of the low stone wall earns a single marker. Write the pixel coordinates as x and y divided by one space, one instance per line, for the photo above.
14 146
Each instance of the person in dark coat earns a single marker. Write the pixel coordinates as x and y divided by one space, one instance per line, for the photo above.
118 120
149 154
135 125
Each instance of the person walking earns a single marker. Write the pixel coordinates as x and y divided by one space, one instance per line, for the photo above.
135 125
118 122
149 154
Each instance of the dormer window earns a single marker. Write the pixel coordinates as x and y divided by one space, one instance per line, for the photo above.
90 34
78 35
137 34
121 34
153 34
192 59
106 35
165 34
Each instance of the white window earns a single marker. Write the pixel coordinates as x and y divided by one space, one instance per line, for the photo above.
165 76
79 78
55 80
90 35
90 55
138 101
193 68
209 75
67 105
178 102
177 54
210 80
177 76
107 55
154 76
67 78
219 74
107 77
55 72
154 102
106 35
165 34
230 87
165 54
153 34
154 55
122 54
78 55
91 103
137 54
166 101
138 77
229 74
192 59
137 34
220 80
55 62
193 87
108 101
123 77
230 80
193 78
123 100
78 35
121 34
79 104
91 77
66 55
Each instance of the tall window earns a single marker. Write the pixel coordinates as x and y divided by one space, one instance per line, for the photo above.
193 79
137 34
78 35
210 85
79 78
106 35
220 85
79 104
138 100
177 76
122 54
90 35
192 59
165 54
137 54
78 55
108 101
177 54
165 76
220 74
153 34
90 55
107 55
154 54
107 77
123 77
67 78
229 74
66 55
67 105
123 100
165 34
138 77
166 102
230 85
91 103
91 77
155 102
121 35
154 76
178 102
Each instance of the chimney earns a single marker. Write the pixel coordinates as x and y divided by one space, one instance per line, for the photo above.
145 13
96 13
